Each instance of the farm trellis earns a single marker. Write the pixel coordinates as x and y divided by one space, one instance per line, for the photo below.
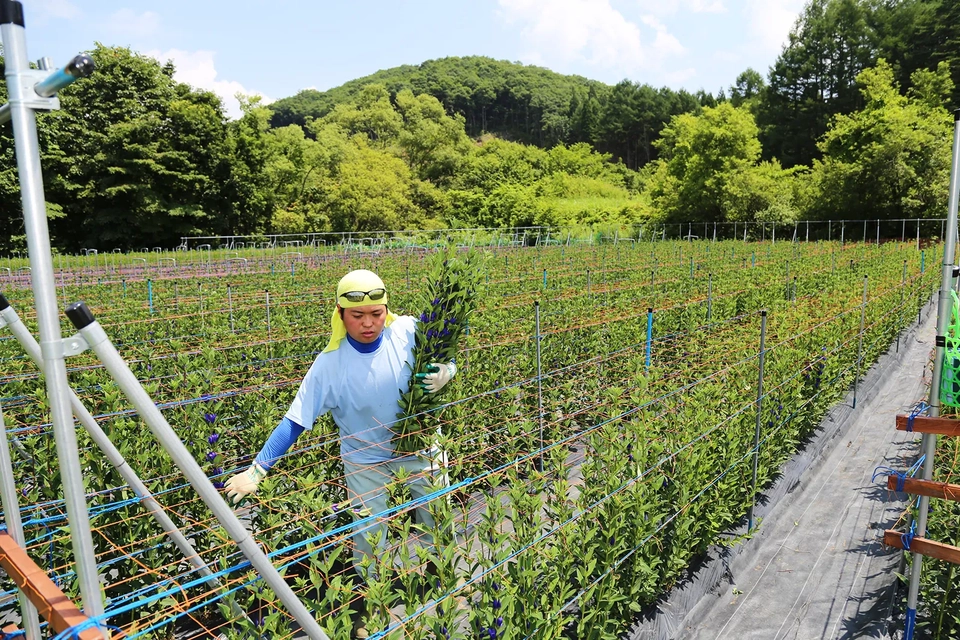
635 449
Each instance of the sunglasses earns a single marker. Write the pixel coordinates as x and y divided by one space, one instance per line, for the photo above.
358 296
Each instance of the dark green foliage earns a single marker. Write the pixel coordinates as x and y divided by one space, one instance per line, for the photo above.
919 34
516 102
133 156
814 78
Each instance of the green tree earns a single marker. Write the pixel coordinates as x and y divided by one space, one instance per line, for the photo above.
371 190
814 78
919 34
699 156
889 160
760 193
371 115
748 85
132 155
432 142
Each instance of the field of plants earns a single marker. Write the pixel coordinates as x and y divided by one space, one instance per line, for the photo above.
590 464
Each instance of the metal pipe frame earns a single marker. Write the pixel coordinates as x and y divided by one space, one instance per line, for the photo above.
101 345
9 317
23 100
11 515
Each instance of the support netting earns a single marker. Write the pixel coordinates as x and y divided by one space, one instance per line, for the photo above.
560 521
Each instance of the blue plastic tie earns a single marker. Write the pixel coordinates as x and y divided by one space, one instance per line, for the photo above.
901 480
905 539
917 410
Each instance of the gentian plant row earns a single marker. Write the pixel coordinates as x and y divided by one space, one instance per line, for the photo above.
575 500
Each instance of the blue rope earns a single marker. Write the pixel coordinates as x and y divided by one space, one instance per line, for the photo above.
906 538
901 475
917 410
89 623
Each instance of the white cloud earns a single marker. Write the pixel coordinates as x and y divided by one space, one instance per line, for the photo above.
670 7
665 44
707 6
46 9
197 69
769 22
577 29
132 24
590 31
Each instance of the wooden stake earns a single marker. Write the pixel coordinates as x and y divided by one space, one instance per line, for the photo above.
51 603
924 547
926 488
924 424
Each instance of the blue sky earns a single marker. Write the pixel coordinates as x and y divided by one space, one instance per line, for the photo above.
279 47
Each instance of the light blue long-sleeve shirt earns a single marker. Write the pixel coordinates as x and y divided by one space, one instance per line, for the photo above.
360 390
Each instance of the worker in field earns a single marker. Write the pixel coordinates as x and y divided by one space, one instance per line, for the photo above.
359 378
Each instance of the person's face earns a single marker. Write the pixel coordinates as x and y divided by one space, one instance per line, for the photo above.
364 324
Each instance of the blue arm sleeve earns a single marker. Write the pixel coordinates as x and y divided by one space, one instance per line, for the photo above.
279 442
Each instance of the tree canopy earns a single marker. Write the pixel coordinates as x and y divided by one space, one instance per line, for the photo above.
850 121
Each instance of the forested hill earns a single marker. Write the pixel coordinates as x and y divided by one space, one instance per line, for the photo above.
522 103
515 101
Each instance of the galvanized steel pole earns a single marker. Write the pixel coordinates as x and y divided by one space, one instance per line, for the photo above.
929 442
756 437
21 81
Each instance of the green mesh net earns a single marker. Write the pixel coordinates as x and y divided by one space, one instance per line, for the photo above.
950 375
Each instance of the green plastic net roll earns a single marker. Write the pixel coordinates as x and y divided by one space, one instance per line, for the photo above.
950 374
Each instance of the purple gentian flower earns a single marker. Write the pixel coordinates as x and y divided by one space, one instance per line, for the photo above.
211 455
210 417
496 604
213 437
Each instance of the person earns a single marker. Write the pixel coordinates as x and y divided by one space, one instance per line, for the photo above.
358 378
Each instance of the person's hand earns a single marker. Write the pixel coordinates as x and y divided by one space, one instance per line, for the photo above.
244 483
437 376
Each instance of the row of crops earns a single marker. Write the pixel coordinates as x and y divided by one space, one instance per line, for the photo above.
576 497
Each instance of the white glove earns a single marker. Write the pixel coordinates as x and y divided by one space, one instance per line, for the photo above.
244 483
437 376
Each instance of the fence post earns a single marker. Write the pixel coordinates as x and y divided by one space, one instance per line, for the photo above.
150 294
649 337
903 282
929 442
230 305
9 498
756 435
863 310
709 297
269 331
536 310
